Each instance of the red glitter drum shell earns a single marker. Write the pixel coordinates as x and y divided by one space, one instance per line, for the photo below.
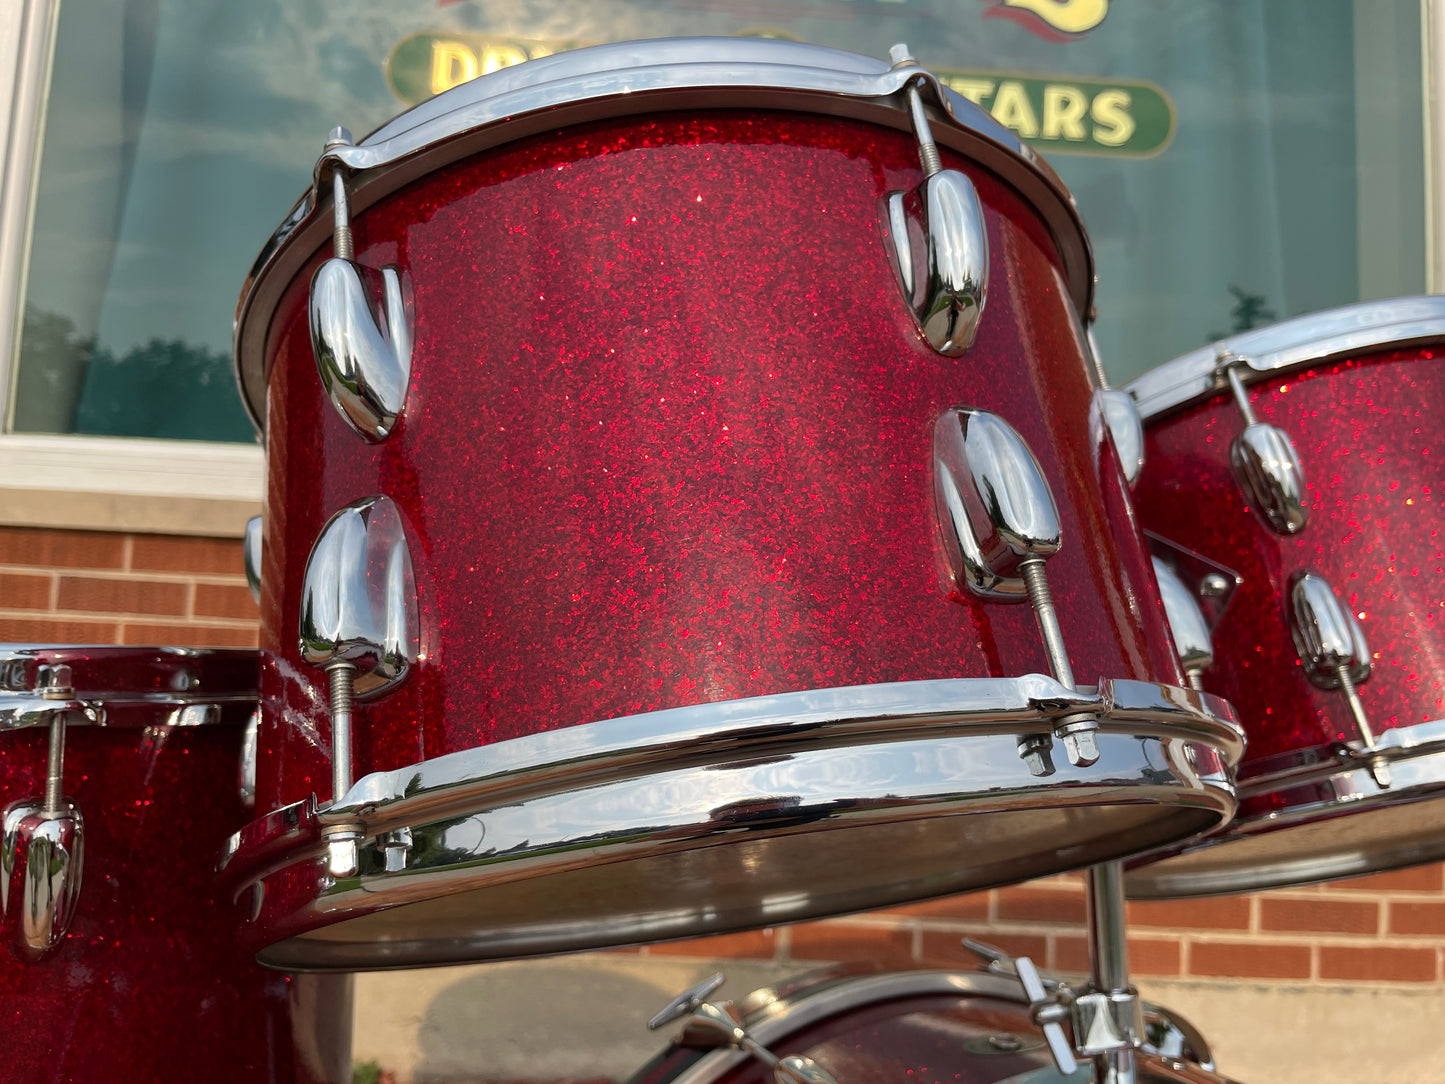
1365 434
150 983
1312 806
667 441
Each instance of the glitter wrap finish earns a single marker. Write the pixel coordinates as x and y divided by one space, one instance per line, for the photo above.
668 442
926 1027
151 982
1365 427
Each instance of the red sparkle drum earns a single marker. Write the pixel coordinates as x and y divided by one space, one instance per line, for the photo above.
121 961
918 1026
636 470
1338 576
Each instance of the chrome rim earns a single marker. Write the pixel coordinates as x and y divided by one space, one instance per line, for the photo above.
1305 340
729 816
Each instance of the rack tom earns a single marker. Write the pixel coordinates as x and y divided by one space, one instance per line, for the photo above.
1298 465
670 446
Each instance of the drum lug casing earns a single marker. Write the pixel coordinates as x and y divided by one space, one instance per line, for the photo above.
939 241
40 874
1270 473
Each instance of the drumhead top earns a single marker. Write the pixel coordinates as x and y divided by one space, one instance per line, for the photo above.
639 79
1305 340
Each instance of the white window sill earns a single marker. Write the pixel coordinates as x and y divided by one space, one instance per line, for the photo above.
112 484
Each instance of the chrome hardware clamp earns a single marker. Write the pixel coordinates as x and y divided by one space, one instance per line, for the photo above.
1001 524
364 366
693 1008
44 842
945 275
359 624
1332 647
1265 462
1050 1001
1193 642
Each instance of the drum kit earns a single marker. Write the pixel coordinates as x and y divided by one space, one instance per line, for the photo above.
797 560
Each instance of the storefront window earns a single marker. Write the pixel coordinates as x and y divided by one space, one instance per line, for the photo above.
1236 162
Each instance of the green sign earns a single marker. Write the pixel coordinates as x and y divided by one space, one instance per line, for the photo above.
1063 115
1072 116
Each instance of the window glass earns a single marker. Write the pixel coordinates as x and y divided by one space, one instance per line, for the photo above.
1236 161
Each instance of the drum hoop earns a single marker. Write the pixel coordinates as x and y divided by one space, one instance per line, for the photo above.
23 708
758 726
1317 338
635 781
627 79
1319 764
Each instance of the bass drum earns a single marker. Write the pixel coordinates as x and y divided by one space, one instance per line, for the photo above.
922 1027
1321 570
664 564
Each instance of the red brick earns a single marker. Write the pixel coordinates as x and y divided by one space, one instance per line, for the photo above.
1249 960
1418 879
94 594
1071 953
1154 956
225 600
1417 918
753 944
972 908
1377 962
1042 905
51 631
18 592
843 941
171 553
141 632
946 949
61 549
1220 913
1319 915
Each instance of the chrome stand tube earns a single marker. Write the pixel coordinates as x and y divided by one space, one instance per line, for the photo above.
1109 963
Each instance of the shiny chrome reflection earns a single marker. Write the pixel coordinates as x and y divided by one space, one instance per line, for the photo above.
713 817
40 873
1270 474
1121 415
359 622
1000 515
938 240
1330 641
693 1008
1192 639
1265 462
251 555
246 782
358 597
1332 647
364 359
1049 1006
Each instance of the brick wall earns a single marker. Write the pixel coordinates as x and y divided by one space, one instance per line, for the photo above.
1387 928
92 587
